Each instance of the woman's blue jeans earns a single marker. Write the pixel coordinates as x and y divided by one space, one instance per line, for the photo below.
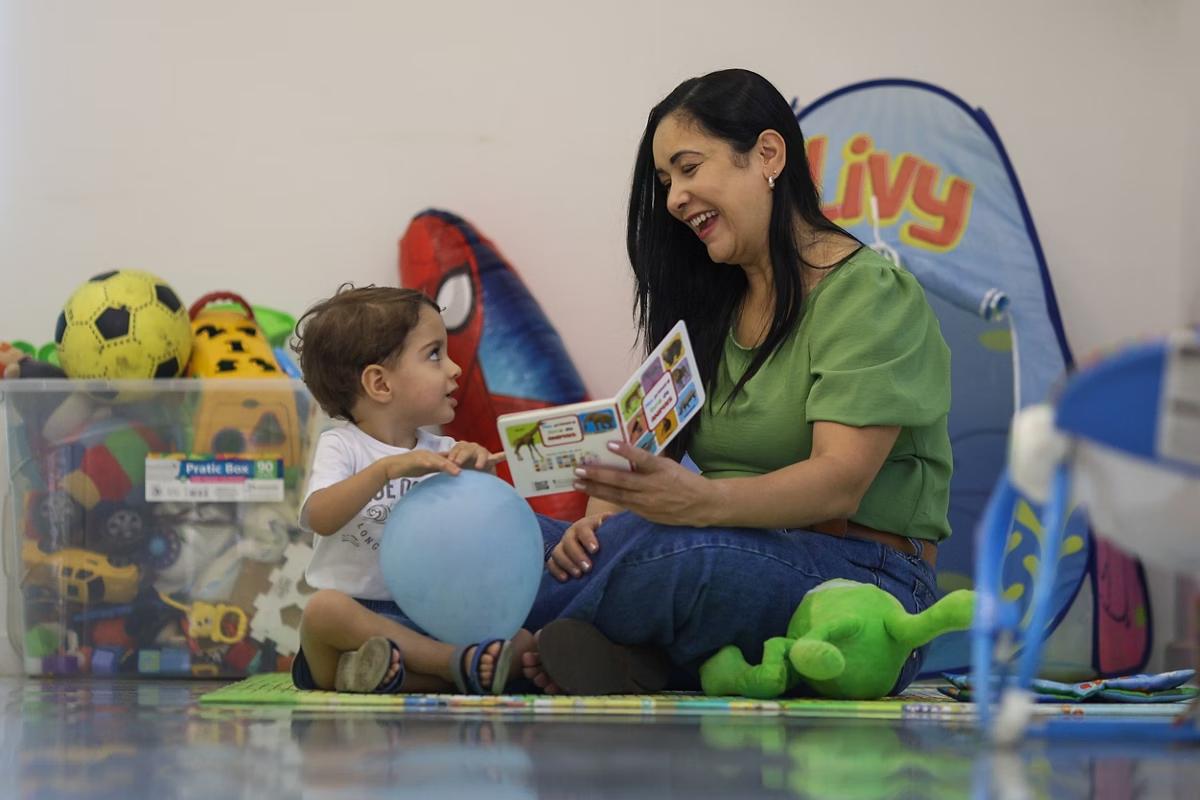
693 590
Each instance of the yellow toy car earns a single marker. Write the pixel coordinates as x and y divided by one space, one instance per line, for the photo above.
80 576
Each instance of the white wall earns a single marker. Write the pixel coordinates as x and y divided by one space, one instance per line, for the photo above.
1189 263
279 147
1174 626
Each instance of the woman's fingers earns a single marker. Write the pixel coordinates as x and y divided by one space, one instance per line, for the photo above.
555 569
642 461
563 562
587 536
608 476
622 497
571 557
574 551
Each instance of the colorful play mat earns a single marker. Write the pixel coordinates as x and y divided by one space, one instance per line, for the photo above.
922 700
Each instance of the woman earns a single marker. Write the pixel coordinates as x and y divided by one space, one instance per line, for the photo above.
823 446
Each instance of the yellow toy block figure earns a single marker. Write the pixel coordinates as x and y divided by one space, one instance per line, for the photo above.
231 344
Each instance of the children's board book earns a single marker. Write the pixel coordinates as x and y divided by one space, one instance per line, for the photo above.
546 445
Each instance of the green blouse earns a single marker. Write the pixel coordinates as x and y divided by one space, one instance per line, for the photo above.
868 350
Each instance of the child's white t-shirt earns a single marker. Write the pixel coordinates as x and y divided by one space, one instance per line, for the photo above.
348 560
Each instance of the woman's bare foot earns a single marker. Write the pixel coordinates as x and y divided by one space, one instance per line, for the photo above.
522 643
531 667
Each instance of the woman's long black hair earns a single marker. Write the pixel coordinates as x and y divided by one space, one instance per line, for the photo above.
674 278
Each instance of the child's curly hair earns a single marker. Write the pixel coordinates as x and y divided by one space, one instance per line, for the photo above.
341 336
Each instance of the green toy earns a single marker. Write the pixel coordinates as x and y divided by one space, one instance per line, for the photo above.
847 640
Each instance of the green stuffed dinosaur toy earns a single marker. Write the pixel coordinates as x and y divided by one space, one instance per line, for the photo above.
847 640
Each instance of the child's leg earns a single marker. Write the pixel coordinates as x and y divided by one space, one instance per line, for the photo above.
335 623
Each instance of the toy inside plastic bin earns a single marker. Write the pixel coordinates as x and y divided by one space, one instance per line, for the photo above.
150 526
1122 441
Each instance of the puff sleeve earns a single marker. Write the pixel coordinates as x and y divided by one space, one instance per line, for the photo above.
877 355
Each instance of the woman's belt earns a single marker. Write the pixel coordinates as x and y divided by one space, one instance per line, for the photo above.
852 530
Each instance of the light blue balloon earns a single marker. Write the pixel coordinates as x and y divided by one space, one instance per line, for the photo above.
462 557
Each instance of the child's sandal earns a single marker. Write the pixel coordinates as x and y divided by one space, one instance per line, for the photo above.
363 670
467 680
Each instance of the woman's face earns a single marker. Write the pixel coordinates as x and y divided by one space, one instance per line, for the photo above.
722 198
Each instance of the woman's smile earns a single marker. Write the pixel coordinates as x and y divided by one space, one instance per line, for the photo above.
703 223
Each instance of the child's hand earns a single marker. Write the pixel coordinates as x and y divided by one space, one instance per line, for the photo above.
572 555
418 463
474 456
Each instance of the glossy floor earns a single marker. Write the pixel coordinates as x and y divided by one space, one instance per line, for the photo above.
90 739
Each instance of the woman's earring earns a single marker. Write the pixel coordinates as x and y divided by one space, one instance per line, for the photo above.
771 182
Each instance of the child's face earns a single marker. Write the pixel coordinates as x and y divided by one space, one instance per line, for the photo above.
424 377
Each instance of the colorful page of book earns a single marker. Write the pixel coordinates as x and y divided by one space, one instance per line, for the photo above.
544 447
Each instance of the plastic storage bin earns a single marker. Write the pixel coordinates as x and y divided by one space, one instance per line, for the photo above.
150 526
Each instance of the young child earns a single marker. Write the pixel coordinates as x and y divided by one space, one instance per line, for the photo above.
376 357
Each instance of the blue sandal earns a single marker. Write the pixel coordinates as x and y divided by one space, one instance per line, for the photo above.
363 670
467 680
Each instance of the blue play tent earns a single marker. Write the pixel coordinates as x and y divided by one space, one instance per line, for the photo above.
915 172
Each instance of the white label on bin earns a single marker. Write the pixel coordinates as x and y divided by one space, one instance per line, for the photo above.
1179 413
174 478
